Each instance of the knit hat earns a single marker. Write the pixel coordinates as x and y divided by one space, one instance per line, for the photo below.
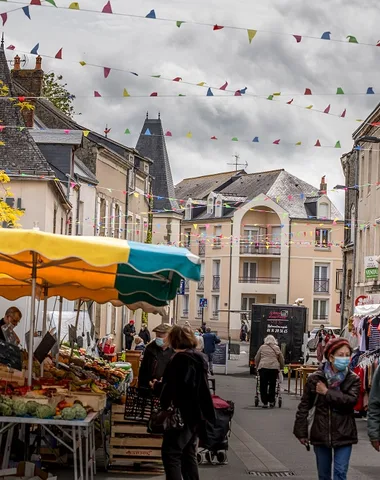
334 345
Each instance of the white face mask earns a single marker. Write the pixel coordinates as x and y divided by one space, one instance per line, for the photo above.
160 342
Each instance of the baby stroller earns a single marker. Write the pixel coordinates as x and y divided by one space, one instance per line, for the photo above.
278 399
213 445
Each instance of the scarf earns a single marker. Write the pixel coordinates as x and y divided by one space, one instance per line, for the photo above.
334 379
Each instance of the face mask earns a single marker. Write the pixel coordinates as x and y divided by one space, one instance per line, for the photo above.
197 334
160 342
341 363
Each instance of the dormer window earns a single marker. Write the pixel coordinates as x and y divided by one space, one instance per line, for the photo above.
188 209
218 206
324 208
210 204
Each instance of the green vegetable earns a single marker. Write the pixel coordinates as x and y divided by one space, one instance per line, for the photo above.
31 407
5 410
68 413
80 412
20 409
44 411
6 401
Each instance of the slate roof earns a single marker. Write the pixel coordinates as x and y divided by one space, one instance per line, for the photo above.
253 184
154 147
84 173
57 137
20 154
198 188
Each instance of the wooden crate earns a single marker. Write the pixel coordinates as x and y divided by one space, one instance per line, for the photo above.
132 448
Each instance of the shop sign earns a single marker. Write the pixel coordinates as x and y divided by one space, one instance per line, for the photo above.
338 308
371 268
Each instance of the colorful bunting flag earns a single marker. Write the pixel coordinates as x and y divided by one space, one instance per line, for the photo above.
277 94
82 62
4 18
147 132
177 79
290 101
209 93
189 135
317 143
351 39
343 114
26 11
74 6
86 133
125 93
127 131
276 142
217 27
154 94
201 84
179 23
214 138
151 14
309 107
58 55
237 93
270 97
339 91
168 134
327 109
107 7
243 90
235 139
35 2
337 145
251 35
298 143
96 94
52 2
326 36
255 140
307 91
34 50
106 71
11 47
223 87
298 38
370 91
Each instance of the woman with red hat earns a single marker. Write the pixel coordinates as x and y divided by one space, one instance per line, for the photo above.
325 416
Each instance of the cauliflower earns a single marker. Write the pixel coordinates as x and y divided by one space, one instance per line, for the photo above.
20 409
68 413
44 411
31 407
80 412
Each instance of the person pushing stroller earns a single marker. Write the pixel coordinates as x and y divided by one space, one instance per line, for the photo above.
269 360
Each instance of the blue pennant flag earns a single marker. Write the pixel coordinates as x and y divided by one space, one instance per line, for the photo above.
209 93
326 36
370 91
26 11
256 140
243 90
147 132
34 50
151 14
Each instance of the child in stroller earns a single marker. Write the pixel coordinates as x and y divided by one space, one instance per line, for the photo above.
214 443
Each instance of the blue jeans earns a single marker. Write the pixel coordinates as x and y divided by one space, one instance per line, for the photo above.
324 457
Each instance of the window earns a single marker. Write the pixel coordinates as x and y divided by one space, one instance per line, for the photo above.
106 219
246 305
201 283
80 222
188 210
321 278
339 280
138 230
210 204
55 219
187 237
361 169
369 171
320 310
322 238
249 272
147 185
131 179
70 225
218 206
360 266
199 309
215 306
146 167
352 224
251 234
116 222
61 225
129 227
216 274
102 217
323 210
202 242
185 306
217 237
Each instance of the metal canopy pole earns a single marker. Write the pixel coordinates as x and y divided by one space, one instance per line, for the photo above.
44 322
32 319
59 327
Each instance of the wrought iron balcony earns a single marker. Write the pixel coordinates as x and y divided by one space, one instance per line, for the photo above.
216 282
201 284
187 285
321 285
259 248
323 316
270 280
201 249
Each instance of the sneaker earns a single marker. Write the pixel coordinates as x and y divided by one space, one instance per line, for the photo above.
265 406
272 405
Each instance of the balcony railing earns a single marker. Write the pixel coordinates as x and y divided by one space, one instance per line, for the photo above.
215 314
202 250
272 280
187 285
321 285
259 248
320 316
201 284
216 282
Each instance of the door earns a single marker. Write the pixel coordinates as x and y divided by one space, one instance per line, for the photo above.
249 272
276 270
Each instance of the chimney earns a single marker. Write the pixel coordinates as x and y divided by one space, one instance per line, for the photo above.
28 83
323 186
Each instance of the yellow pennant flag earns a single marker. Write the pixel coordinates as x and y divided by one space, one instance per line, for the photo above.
189 135
251 35
74 6
86 132
82 62
125 93
2 144
309 107
298 143
277 94
201 84
136 194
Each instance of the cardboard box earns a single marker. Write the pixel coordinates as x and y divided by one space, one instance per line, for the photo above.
25 471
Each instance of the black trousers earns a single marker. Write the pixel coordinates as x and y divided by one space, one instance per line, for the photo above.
179 454
268 379
128 342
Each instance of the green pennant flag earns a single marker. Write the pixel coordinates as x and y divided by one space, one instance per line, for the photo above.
127 132
339 91
52 2
235 139
179 23
156 76
337 145
181 95
352 39
20 128
270 97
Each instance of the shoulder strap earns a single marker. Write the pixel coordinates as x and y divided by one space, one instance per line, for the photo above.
277 354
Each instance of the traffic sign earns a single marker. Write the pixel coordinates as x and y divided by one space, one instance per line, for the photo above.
203 302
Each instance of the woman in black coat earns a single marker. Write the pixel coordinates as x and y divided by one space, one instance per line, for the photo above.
334 391
185 386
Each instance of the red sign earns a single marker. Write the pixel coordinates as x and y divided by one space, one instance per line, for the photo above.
338 308
361 300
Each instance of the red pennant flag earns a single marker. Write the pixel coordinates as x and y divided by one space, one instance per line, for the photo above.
307 91
214 138
107 7
97 94
21 99
290 101
378 43
327 109
217 27
154 94
106 71
35 2
343 114
2 128
59 54
4 17
11 47
223 87
317 143
298 38
375 124
276 142
168 134
237 93
177 79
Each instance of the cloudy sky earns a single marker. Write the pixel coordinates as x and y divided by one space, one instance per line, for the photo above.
272 63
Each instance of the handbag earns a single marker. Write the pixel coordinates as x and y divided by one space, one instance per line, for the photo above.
162 421
311 417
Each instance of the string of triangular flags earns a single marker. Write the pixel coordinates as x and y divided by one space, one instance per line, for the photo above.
151 15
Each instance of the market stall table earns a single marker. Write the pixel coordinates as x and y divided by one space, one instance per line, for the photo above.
73 430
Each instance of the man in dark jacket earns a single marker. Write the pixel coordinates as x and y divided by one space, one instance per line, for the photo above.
210 340
145 334
129 333
12 317
373 423
156 357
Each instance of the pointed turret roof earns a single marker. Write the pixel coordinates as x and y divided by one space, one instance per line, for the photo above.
19 154
152 144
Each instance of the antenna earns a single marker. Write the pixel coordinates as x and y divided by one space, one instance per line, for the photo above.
23 61
236 163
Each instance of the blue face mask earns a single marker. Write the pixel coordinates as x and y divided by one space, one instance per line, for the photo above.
341 363
160 342
196 334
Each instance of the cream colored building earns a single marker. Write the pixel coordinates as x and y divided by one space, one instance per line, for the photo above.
266 237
